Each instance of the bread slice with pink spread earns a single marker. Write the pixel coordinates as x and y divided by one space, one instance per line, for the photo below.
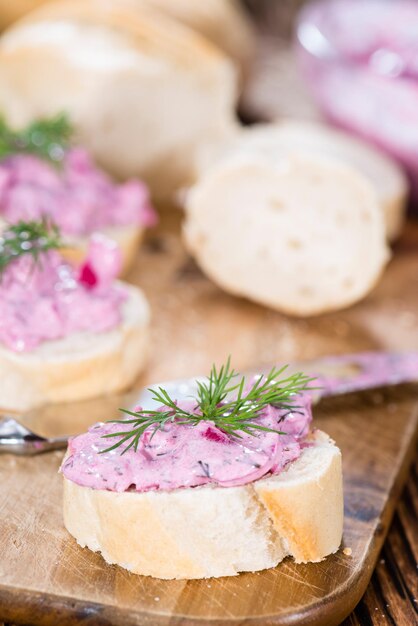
200 501
224 23
215 531
82 365
65 334
42 174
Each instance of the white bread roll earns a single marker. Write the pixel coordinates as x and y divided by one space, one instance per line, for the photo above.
142 90
80 366
211 531
288 136
223 22
301 234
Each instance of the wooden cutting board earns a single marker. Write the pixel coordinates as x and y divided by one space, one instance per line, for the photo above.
45 578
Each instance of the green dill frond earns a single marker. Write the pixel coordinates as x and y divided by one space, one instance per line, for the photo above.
28 238
46 138
223 398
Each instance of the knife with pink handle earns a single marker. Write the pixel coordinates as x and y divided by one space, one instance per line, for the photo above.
343 374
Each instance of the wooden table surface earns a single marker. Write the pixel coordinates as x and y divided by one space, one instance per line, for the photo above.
392 595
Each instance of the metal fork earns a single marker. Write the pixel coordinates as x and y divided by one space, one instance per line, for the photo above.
16 438
335 375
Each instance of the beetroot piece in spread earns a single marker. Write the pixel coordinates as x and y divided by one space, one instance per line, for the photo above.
77 196
182 455
49 299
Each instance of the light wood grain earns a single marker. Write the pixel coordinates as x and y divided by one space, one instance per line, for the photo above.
45 578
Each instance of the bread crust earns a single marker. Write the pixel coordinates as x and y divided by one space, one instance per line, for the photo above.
311 522
212 531
12 11
224 23
80 366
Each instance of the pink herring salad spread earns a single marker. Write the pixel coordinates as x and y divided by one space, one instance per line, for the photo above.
78 197
183 455
49 299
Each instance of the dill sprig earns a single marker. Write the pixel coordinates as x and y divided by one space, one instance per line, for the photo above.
28 238
231 404
46 138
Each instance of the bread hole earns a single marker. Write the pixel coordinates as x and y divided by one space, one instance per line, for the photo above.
264 253
307 291
316 179
277 204
294 244
348 283
341 219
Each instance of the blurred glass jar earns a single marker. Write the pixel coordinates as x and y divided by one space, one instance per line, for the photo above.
360 59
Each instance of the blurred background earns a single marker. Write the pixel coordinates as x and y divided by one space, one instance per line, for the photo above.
349 63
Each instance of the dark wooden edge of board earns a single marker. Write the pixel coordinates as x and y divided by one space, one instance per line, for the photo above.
53 610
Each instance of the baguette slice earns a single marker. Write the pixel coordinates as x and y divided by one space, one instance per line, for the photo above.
209 531
142 90
299 233
80 366
287 136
